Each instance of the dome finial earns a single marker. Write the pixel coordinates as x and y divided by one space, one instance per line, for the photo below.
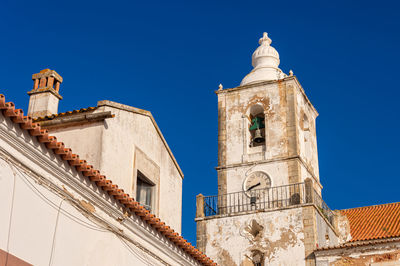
265 62
265 39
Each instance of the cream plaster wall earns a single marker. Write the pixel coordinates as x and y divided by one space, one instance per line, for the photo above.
85 140
35 226
125 132
42 104
110 147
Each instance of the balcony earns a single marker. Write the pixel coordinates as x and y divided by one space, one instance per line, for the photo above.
262 200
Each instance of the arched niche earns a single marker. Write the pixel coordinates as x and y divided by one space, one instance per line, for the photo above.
256 127
257 257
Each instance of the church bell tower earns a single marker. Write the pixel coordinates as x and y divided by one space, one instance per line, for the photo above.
269 207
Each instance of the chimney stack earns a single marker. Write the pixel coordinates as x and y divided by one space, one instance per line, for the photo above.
44 97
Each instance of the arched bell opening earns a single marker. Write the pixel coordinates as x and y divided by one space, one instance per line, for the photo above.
257 125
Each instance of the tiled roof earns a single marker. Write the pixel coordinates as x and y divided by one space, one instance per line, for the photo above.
50 117
361 243
374 222
34 129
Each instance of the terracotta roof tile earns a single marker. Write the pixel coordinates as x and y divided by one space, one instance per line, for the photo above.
374 222
50 117
26 123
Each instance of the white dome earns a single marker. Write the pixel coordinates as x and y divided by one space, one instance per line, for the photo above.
265 61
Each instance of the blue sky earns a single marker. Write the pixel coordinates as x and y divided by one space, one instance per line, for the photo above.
169 57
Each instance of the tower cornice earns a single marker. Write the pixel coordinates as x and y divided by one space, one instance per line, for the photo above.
285 158
262 83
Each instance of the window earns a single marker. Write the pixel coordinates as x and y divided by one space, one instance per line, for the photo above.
146 181
144 191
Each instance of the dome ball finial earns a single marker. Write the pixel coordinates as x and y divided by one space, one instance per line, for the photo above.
265 40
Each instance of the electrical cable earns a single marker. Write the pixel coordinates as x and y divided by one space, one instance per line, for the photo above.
11 213
55 232
54 206
142 257
69 215
108 229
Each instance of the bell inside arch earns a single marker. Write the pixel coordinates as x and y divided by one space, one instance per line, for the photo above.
258 138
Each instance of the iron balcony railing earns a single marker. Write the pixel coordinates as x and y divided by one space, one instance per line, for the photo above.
265 199
323 207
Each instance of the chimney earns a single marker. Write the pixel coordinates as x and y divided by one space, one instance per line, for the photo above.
44 97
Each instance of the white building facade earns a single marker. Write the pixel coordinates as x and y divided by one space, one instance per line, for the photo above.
59 210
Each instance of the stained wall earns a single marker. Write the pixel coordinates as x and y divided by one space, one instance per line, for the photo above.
232 240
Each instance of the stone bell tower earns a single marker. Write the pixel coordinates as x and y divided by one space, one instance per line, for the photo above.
269 208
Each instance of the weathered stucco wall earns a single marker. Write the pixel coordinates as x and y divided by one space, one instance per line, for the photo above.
306 128
278 235
272 97
290 151
288 156
325 234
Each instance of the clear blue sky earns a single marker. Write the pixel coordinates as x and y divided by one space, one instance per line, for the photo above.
169 57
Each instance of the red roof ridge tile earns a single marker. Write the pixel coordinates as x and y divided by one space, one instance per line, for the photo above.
26 123
369 206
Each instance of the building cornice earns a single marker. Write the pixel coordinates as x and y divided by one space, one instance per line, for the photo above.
78 118
45 90
364 245
284 158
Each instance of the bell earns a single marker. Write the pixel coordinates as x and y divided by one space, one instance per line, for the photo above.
258 138
257 123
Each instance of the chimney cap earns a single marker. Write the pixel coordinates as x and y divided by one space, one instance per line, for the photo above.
47 73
